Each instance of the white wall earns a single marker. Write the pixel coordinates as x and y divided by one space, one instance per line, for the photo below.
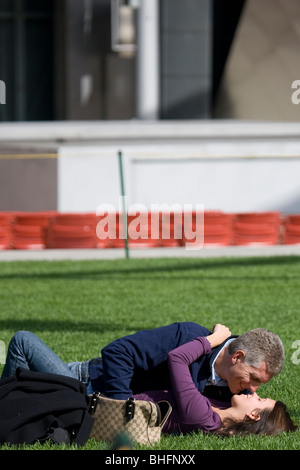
226 165
223 176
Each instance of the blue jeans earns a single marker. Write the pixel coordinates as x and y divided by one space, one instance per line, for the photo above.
28 351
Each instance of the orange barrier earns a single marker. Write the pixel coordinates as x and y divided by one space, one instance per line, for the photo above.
256 228
170 229
291 230
115 231
269 217
72 231
105 228
140 230
29 230
217 230
139 233
6 219
76 230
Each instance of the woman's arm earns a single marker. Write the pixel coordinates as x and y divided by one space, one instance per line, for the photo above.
195 410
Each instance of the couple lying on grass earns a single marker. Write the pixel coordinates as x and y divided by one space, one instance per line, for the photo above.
210 378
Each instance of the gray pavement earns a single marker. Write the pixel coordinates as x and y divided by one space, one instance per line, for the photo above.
98 254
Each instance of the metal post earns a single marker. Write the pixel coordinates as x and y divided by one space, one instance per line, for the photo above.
124 205
148 60
20 61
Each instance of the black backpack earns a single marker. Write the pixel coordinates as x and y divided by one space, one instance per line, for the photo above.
37 406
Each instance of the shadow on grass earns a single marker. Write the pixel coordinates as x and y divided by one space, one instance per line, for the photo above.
150 267
67 325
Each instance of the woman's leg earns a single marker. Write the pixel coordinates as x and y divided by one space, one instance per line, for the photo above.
28 351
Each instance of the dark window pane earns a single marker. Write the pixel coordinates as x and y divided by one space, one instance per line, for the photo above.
39 70
7 69
38 6
6 6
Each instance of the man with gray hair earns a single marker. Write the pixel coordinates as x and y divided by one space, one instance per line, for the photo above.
242 363
139 362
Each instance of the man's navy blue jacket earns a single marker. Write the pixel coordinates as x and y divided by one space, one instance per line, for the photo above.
138 362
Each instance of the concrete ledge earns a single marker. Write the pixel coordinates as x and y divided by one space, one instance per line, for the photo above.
102 131
106 254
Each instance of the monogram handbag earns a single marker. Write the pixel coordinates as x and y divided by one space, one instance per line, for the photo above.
142 420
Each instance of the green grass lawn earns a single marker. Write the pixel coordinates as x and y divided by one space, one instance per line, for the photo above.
79 307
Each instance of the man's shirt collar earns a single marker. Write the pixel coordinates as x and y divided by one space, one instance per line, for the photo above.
214 378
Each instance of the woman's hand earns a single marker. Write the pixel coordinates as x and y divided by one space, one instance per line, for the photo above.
219 334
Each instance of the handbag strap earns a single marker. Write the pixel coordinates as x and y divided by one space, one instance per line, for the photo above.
129 405
129 409
93 402
165 409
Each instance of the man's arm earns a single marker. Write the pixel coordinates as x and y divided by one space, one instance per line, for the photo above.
142 351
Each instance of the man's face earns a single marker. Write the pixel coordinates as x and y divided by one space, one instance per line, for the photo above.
241 376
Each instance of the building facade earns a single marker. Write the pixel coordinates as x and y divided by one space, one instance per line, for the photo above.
96 59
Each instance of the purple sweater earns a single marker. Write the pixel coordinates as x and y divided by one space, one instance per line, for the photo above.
191 411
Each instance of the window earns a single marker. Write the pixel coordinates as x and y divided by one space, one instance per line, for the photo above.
26 59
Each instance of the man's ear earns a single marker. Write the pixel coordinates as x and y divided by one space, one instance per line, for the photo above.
254 415
238 356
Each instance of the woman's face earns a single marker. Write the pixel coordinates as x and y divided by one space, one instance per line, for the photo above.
250 405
